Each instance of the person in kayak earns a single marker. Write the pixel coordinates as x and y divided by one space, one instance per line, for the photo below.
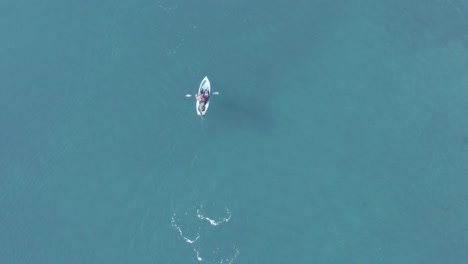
202 98
206 94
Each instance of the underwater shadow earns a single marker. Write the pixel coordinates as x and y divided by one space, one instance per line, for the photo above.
234 115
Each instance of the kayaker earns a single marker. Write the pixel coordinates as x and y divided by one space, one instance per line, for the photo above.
201 98
204 97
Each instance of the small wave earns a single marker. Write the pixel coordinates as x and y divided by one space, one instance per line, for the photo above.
230 260
212 221
219 255
177 227
202 246
165 7
198 255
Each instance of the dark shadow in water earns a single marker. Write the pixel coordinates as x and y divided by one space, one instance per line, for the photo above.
234 115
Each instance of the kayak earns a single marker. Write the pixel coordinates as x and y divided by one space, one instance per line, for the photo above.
204 86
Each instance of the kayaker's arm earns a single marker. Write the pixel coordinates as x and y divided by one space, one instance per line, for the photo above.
189 95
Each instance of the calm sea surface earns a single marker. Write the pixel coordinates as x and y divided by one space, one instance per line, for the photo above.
340 134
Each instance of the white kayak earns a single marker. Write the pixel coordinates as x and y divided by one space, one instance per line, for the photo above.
204 87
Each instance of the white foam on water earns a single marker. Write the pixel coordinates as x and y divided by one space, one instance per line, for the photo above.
212 221
165 7
220 254
198 255
213 258
177 227
228 260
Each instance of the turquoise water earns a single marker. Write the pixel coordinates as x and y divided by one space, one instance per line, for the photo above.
339 135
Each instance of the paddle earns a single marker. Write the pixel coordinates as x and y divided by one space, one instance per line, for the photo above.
189 95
